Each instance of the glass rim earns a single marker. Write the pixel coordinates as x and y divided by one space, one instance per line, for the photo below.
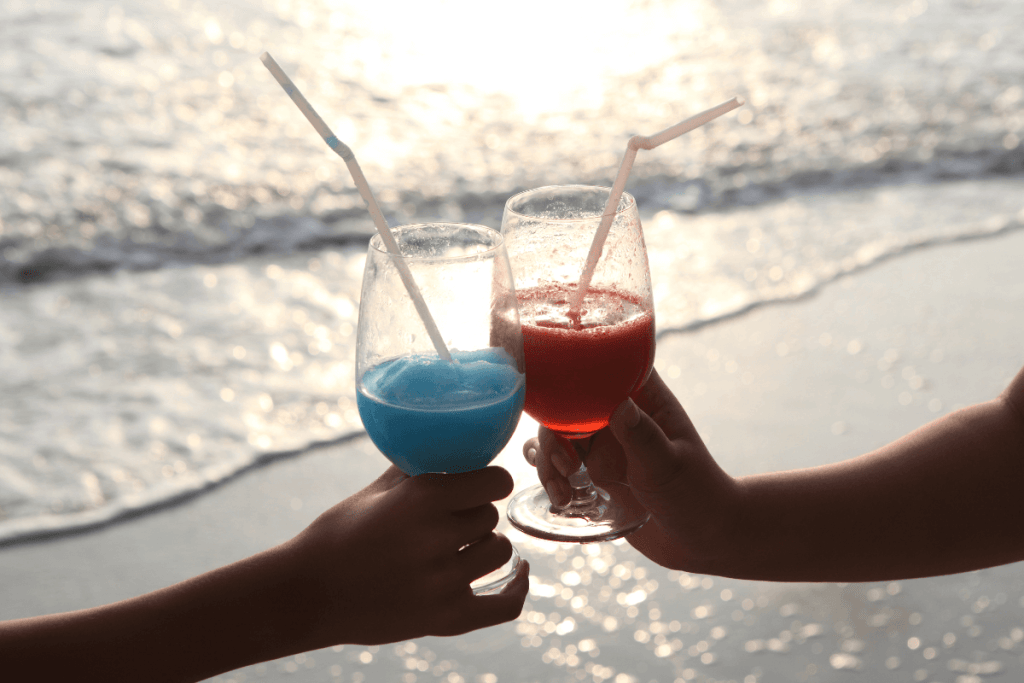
631 203
377 242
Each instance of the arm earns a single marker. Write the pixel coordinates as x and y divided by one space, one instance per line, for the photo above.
387 564
221 620
937 501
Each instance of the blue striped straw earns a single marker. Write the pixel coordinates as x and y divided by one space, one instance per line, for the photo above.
343 150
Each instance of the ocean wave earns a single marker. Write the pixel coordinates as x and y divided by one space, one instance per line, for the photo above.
23 261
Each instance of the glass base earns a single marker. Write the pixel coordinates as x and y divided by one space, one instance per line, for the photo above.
590 517
493 582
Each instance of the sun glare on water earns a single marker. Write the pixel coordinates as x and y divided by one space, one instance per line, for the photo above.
545 55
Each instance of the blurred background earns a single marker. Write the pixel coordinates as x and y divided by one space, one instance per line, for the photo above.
181 255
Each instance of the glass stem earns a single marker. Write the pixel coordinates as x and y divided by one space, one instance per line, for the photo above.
583 492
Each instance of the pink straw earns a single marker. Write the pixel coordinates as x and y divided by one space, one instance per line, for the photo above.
636 143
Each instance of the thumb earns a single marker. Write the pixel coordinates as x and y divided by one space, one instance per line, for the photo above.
649 452
656 434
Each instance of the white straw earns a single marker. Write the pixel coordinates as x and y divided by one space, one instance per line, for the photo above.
345 153
637 142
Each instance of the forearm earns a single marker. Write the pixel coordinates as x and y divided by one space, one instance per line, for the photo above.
934 502
231 617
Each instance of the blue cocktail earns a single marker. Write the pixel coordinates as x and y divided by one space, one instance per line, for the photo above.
424 412
427 414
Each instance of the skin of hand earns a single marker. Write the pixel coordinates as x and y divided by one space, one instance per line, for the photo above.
392 562
936 501
428 536
669 471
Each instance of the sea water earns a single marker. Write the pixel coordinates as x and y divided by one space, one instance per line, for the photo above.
427 414
181 255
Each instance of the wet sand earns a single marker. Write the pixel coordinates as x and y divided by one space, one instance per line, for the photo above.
863 361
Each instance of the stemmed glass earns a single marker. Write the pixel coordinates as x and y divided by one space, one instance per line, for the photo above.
579 366
425 413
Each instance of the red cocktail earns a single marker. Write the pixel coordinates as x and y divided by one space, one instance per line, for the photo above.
579 373
580 363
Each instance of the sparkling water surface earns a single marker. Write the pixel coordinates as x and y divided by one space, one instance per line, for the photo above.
181 255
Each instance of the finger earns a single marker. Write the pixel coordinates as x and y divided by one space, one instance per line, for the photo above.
606 459
481 611
507 604
484 556
469 526
466 490
658 401
530 450
556 460
520 584
649 452
558 452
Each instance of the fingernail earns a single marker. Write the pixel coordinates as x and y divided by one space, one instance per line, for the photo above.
561 462
627 413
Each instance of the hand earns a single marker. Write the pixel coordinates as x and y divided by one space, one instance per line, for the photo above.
392 562
395 560
651 444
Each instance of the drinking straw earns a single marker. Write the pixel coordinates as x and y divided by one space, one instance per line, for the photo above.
343 150
636 143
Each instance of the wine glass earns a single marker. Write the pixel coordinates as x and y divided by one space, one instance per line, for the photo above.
579 367
425 413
